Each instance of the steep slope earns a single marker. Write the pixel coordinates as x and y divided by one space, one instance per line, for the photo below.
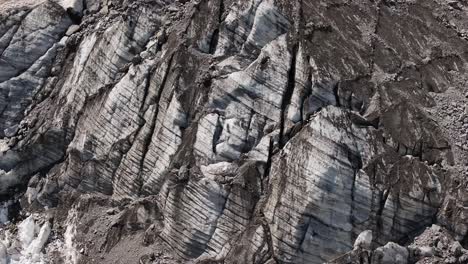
223 131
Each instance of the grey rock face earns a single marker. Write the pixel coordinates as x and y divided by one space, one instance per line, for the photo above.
235 131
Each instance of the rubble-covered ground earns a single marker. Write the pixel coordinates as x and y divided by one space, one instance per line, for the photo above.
434 245
233 131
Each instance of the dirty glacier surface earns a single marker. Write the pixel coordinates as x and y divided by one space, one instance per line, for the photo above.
230 131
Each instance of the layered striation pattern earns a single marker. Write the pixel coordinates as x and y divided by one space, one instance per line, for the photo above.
232 131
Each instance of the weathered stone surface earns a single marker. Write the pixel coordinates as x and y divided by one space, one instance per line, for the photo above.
364 240
235 131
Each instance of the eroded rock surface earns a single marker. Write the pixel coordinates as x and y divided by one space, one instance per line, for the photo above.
233 131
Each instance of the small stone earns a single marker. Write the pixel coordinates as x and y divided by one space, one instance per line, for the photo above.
426 251
440 245
364 240
161 36
22 124
11 131
456 249
112 211
72 29
450 260
183 173
136 60
463 259
63 41
145 54
55 71
104 10
113 13
173 9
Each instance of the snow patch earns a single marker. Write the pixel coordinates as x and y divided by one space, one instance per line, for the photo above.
26 247
4 145
76 5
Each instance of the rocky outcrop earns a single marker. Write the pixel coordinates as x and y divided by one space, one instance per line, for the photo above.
233 131
434 245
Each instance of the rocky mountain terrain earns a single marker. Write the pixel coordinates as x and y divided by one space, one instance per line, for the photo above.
233 131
